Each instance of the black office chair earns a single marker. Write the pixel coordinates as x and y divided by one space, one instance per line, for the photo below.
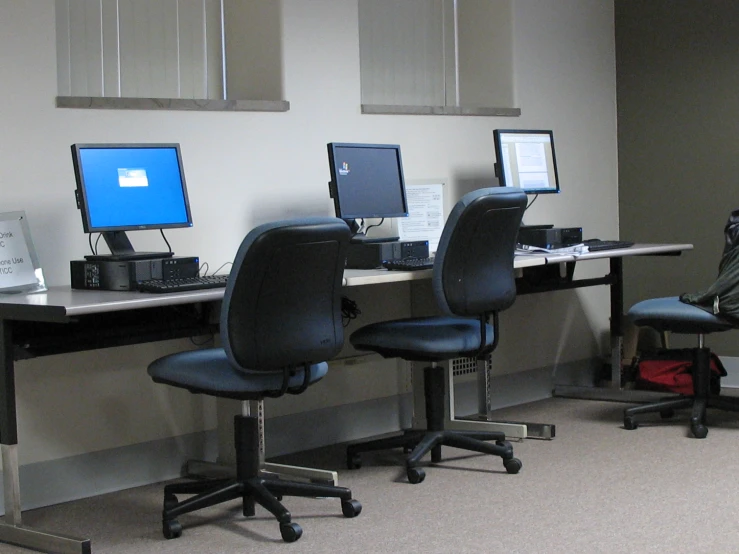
280 318
672 315
473 280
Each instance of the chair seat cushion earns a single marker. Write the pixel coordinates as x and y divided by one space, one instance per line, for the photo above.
209 372
670 314
422 339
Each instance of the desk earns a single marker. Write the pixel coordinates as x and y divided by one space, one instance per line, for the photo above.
482 420
64 320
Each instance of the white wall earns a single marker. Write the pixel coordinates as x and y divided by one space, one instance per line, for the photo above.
247 168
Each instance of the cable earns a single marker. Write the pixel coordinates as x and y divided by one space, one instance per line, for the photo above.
375 225
222 266
204 267
349 310
165 239
530 203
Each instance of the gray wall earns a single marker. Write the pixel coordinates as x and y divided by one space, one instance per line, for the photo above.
678 139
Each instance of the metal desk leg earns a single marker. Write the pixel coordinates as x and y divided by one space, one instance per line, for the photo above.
309 474
615 390
616 327
210 469
11 529
482 421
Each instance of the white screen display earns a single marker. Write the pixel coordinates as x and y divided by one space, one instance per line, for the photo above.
526 160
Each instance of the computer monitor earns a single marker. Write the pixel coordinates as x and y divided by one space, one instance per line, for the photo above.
367 182
130 187
526 160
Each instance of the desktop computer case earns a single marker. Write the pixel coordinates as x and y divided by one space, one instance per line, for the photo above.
557 237
371 255
125 275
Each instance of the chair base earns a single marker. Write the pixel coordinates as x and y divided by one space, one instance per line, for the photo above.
421 442
699 402
698 406
250 487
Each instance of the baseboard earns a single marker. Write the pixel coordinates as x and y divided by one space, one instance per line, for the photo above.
94 473
525 386
731 364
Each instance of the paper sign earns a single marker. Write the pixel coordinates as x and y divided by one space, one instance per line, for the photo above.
19 268
425 219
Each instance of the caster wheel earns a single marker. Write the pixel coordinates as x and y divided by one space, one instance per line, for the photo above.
512 465
171 529
630 423
353 461
667 414
351 508
416 475
290 531
170 501
699 430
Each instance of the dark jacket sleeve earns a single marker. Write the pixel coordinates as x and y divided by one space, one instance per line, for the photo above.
722 297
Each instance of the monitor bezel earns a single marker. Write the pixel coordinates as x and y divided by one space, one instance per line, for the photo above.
500 172
335 188
81 190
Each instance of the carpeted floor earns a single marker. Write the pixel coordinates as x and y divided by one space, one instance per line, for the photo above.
595 488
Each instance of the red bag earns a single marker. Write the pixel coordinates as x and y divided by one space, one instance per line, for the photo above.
671 370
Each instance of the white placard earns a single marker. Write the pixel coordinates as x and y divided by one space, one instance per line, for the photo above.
19 267
425 219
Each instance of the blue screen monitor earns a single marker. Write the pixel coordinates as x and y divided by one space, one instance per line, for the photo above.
130 187
526 160
367 181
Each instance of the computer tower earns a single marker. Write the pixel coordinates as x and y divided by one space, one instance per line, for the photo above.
124 275
556 237
371 255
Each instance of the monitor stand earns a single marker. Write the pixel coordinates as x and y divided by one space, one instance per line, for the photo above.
122 250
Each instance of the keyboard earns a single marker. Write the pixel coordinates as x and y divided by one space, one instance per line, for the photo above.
595 245
183 284
409 264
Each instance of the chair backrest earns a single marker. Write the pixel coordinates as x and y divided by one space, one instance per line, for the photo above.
282 304
473 270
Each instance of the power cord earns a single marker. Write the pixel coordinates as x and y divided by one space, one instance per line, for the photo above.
204 268
349 310
371 226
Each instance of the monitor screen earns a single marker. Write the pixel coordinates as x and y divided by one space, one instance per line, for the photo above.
367 180
130 186
526 160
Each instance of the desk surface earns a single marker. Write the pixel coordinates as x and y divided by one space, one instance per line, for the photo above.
61 303
357 277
